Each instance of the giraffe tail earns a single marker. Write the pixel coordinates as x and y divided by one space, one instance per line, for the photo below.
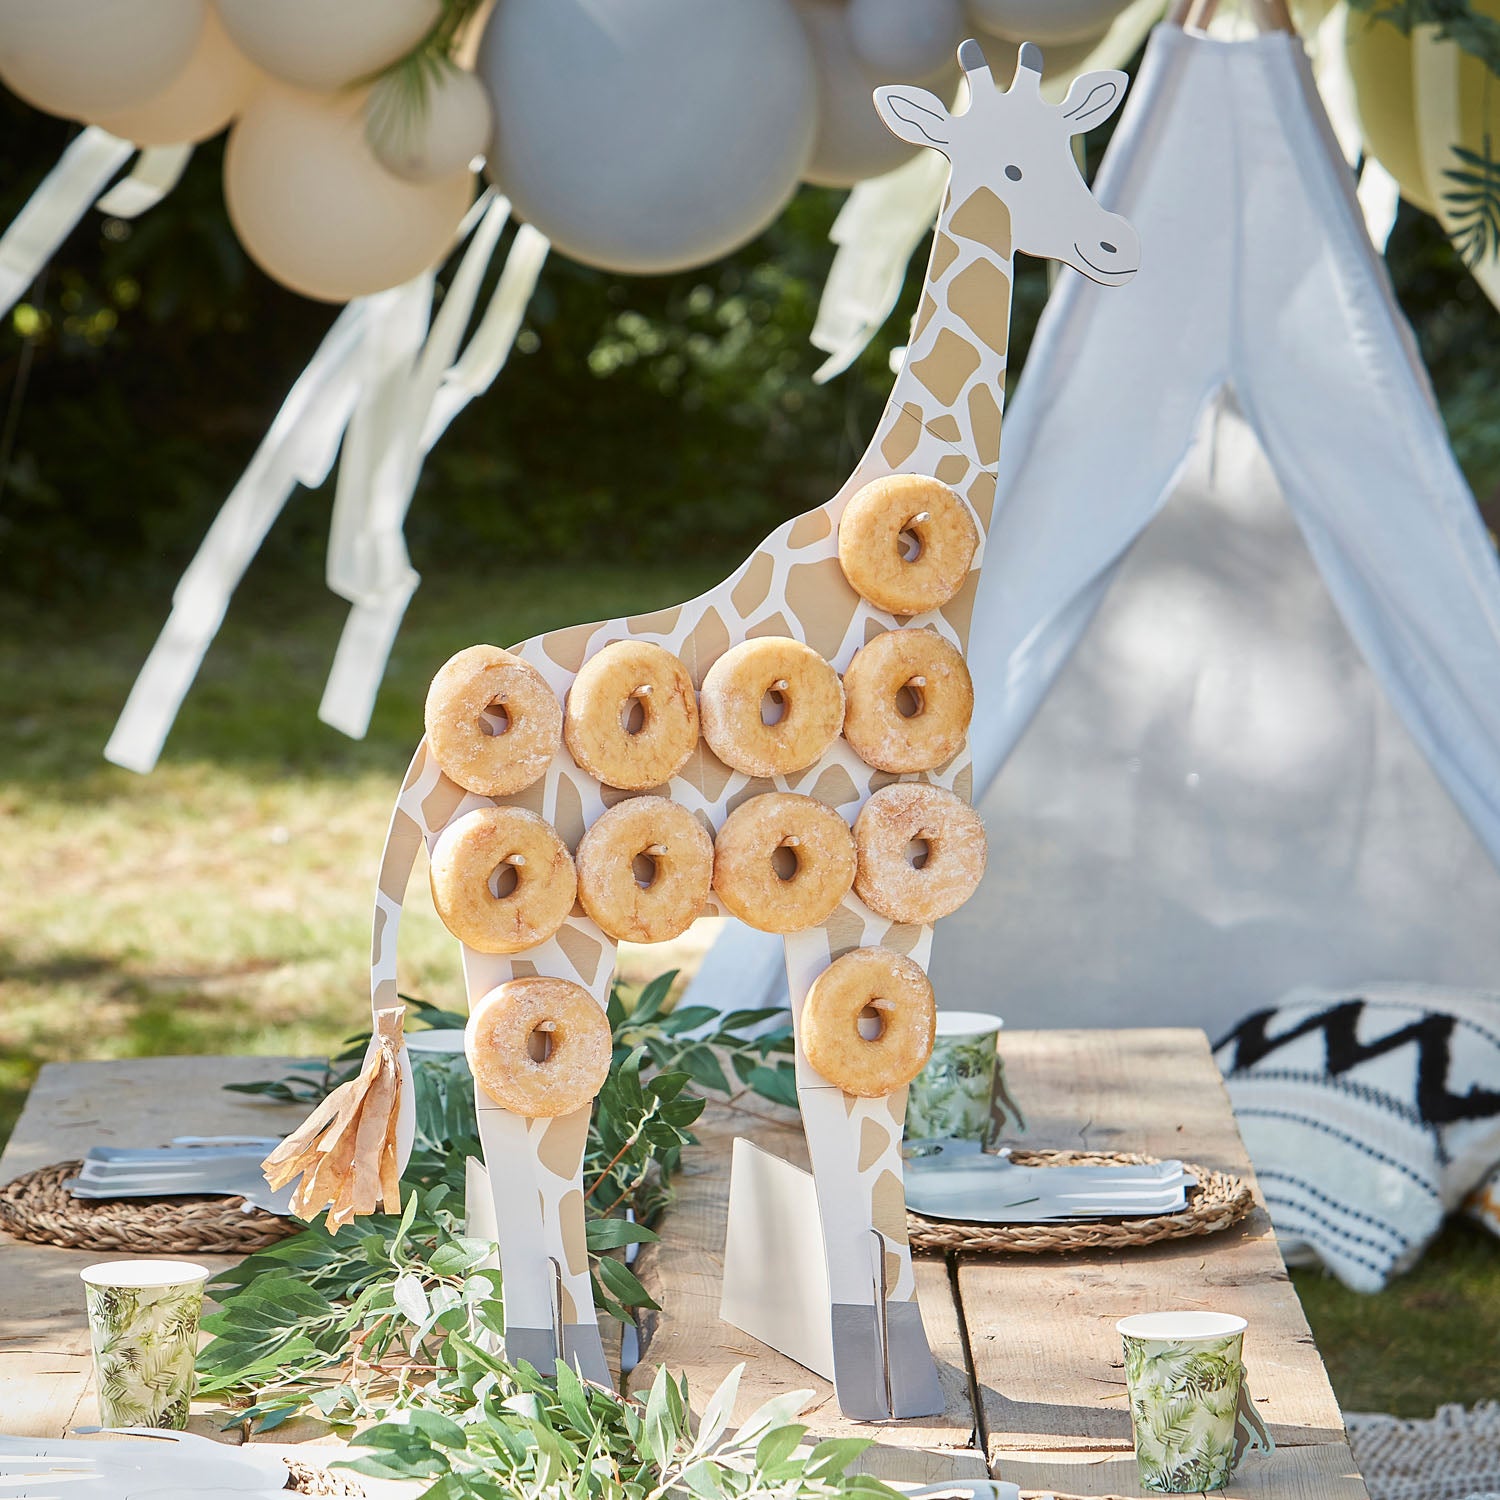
345 1151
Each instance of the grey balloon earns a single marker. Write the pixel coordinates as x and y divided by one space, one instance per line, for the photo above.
648 136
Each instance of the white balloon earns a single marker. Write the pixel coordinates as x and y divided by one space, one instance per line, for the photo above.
851 143
80 58
648 135
326 44
315 210
442 138
904 40
199 102
1045 21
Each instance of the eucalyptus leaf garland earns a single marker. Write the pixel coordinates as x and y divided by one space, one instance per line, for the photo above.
397 1320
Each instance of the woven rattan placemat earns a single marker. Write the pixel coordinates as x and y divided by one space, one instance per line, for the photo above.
1219 1200
37 1207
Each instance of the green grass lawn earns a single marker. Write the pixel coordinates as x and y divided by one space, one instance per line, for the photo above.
222 904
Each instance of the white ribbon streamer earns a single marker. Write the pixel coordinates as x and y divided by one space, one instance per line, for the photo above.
158 171
62 198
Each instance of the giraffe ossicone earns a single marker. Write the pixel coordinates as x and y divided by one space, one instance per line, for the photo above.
1014 185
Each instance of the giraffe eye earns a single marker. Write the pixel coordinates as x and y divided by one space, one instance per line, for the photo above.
1014 173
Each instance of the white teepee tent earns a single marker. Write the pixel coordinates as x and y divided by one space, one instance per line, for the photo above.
1237 645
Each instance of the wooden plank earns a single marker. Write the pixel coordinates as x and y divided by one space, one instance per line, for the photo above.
684 1274
1041 1328
46 1375
1321 1473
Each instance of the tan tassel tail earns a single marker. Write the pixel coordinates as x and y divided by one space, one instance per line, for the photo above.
345 1151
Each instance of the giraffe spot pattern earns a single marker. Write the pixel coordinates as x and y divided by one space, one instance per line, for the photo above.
984 217
567 817
582 951
818 594
559 1146
901 441
984 423
945 428
570 1215
944 253
963 783
439 804
808 530
533 798
951 470
522 968
903 937
658 622
569 647
776 625
706 773
755 583
707 643
981 496
888 1207
846 932
404 840
924 316
756 786
873 628
612 795
874 1139
946 370
980 296
835 787
959 610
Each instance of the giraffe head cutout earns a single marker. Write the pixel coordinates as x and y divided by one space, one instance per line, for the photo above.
1015 144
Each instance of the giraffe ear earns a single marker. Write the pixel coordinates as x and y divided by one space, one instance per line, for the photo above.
913 115
1093 98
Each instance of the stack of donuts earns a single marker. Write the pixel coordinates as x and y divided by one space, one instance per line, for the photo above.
503 880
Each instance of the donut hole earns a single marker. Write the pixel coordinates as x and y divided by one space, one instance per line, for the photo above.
870 1023
909 701
539 1041
918 851
494 718
909 544
784 862
644 868
772 707
504 879
633 716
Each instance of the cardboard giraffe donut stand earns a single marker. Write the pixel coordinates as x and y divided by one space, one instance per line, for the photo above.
1014 184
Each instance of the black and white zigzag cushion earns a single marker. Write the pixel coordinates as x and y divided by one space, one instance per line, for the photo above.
1369 1115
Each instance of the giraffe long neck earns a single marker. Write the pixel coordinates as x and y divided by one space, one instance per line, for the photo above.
953 379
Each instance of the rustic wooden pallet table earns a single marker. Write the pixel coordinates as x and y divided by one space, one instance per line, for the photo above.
1026 1345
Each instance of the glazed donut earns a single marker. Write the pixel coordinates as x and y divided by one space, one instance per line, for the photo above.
472 851
608 684
812 703
887 881
576 1054
932 670
745 865
898 992
682 855
494 764
870 551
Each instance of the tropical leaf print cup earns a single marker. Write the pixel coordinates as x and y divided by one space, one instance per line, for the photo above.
143 1324
955 1096
1190 1405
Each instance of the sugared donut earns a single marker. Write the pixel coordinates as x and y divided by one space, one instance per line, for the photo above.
678 857
940 690
492 722
912 812
806 689
602 701
819 862
872 556
539 1047
483 851
899 994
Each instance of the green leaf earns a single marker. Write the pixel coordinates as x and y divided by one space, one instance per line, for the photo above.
622 1283
777 1445
832 1457
611 1234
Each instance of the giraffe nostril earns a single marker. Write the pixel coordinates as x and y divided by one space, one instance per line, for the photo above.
1107 248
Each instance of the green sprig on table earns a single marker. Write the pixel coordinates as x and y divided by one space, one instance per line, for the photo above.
395 1319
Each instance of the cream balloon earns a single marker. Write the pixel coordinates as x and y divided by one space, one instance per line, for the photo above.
326 44
903 40
1045 22
660 134
851 143
199 102
443 136
1379 60
82 58
317 212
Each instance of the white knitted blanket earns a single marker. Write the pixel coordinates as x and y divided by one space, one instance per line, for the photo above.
1369 1115
1453 1456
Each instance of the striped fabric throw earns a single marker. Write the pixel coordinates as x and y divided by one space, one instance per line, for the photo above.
1369 1116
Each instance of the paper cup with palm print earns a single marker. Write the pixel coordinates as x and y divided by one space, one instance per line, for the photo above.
958 1095
1190 1403
143 1324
